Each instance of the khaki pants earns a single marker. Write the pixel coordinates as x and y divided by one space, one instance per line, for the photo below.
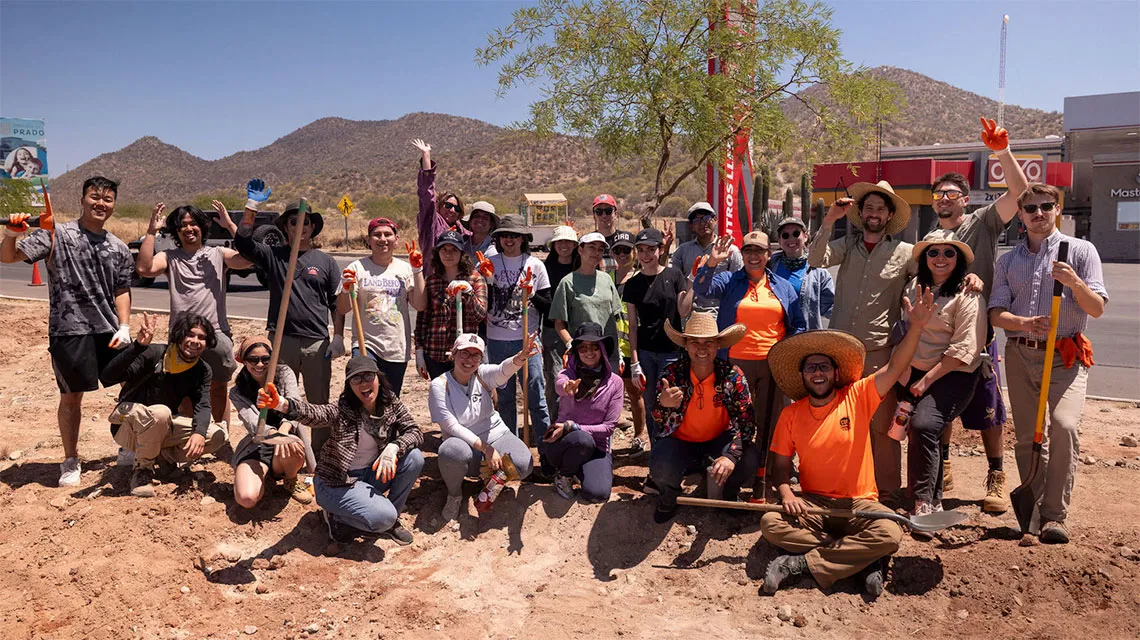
834 548
306 357
1060 444
148 431
886 451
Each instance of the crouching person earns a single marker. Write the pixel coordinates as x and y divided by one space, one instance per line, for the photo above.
704 411
829 426
590 402
372 450
462 404
156 380
254 462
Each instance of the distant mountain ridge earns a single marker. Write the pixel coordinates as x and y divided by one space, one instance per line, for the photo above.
333 156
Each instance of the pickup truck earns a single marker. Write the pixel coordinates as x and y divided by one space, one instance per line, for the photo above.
263 231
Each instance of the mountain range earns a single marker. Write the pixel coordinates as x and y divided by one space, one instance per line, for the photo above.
371 159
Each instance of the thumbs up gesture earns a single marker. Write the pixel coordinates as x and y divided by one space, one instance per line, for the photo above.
670 396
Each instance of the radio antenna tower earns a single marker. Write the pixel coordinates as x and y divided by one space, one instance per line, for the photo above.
1001 74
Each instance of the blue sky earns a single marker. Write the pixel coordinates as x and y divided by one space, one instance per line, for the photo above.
218 77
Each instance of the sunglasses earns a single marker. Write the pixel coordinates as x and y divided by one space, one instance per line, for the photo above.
603 211
787 235
948 252
257 359
842 185
622 250
820 367
451 206
510 236
1044 206
949 194
293 222
363 378
707 217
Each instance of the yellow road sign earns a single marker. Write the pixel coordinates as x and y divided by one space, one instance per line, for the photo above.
345 205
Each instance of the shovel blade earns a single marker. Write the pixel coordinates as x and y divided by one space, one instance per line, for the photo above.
937 521
1024 501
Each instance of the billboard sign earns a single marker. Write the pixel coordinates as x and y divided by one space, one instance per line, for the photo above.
23 149
1032 165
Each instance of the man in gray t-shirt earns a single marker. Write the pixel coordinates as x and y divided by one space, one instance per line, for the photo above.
980 230
702 224
89 297
197 276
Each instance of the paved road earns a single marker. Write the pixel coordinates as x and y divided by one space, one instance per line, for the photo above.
1115 335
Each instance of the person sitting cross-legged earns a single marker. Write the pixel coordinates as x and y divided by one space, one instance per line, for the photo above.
704 411
829 427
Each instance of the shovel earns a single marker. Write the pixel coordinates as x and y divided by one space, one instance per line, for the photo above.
1023 498
928 523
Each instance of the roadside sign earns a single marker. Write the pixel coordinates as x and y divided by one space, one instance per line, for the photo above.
345 205
1032 165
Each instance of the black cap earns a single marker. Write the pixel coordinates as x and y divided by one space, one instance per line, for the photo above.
360 364
451 237
621 238
652 237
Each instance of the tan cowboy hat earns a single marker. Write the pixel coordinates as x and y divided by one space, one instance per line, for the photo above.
703 325
786 355
898 221
942 236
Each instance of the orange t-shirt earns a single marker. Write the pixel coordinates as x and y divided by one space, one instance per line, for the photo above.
705 417
763 316
834 442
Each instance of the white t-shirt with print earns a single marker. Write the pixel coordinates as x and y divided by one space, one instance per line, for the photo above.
383 300
504 296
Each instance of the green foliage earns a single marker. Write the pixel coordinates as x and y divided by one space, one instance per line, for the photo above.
232 199
768 222
16 196
805 195
134 210
632 75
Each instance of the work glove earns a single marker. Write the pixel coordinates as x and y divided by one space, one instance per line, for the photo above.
415 256
995 137
348 279
421 365
457 288
527 283
335 348
637 376
485 266
256 192
17 224
121 338
385 465
268 398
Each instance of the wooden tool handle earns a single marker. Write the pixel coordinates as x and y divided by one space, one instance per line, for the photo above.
1050 345
526 368
765 507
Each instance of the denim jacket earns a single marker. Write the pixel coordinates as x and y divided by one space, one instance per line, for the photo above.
730 289
817 292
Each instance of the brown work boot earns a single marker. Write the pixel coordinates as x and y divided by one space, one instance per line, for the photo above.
947 476
141 486
995 501
1054 532
297 490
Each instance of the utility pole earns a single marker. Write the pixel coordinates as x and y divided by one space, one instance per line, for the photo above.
1001 74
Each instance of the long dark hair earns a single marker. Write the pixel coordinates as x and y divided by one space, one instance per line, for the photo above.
187 321
953 284
465 268
552 259
384 398
174 221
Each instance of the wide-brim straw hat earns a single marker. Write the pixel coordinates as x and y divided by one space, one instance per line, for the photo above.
942 236
898 221
786 355
703 325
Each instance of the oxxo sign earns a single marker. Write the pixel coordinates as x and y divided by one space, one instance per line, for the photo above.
1032 165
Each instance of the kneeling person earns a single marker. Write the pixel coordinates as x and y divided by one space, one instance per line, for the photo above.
704 411
156 379
829 426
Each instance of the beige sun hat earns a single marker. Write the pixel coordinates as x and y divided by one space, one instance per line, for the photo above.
942 236
703 325
786 355
898 221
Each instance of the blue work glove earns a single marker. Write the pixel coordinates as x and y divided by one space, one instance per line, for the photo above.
257 193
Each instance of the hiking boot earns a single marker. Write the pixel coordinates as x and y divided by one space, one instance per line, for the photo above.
875 579
636 446
69 472
166 468
298 490
564 485
338 532
947 476
995 501
664 514
141 479
125 458
402 536
1054 532
451 507
650 487
780 569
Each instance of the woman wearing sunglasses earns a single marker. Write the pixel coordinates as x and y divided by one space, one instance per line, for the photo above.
816 287
370 461
945 368
437 214
255 463
436 324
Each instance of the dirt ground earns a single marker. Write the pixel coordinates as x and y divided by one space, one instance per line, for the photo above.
94 562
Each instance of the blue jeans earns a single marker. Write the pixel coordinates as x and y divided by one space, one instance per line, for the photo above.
671 457
500 350
576 454
392 371
362 504
652 364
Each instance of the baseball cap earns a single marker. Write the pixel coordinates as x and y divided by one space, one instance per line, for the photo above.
605 198
451 237
755 239
651 237
382 222
622 238
469 341
701 207
360 364
790 220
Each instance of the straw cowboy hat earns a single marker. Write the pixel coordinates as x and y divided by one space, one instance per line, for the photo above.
942 236
703 325
786 355
898 221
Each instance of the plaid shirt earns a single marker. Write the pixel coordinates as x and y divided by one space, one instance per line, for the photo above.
435 326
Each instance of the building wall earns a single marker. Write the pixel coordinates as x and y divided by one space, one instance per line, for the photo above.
1112 244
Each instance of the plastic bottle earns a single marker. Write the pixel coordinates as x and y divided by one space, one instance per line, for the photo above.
490 491
901 422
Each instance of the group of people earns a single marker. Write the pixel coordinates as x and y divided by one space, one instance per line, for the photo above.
720 350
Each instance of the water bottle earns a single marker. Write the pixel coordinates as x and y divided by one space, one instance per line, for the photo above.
901 422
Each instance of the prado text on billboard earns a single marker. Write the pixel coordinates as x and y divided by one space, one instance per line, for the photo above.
23 149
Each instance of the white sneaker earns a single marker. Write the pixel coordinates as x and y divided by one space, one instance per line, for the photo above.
451 507
125 459
69 471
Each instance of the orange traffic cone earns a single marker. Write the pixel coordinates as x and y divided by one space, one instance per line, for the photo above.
36 281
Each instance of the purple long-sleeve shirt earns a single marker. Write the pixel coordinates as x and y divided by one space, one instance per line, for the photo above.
596 415
429 222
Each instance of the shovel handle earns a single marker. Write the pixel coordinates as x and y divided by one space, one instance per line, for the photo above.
34 221
1050 346
766 507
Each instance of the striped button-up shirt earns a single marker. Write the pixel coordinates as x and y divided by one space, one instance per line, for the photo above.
1023 283
869 289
